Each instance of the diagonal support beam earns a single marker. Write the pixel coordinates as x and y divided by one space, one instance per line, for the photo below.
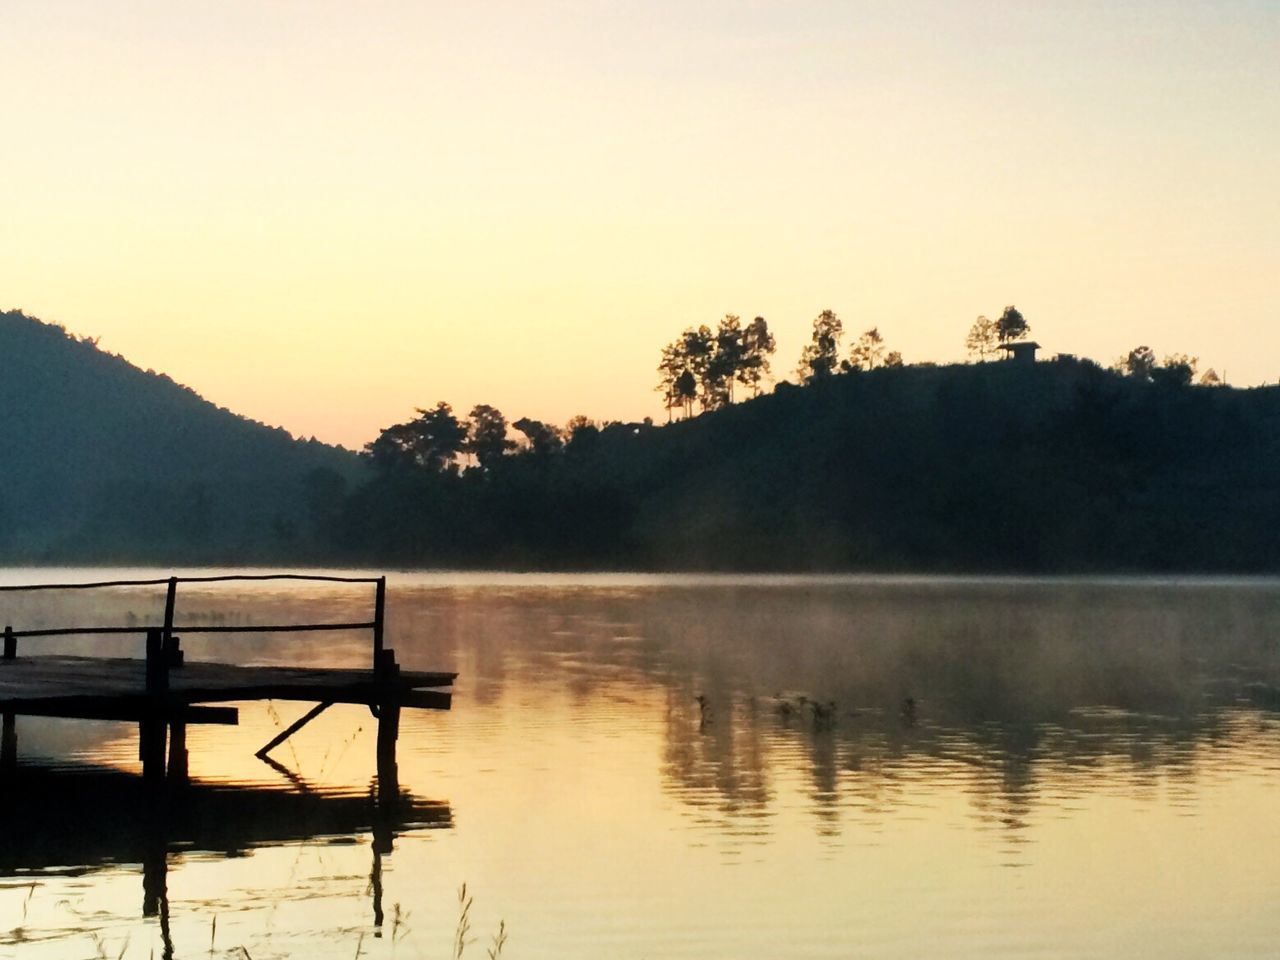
293 728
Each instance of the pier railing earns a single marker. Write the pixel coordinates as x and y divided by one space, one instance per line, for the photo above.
168 631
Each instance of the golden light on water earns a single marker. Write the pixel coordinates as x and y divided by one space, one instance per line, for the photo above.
1085 772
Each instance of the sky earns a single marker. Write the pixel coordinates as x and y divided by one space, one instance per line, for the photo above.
324 214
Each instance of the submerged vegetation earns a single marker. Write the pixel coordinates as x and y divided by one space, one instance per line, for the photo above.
868 463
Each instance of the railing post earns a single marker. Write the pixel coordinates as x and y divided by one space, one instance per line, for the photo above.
172 645
10 643
379 613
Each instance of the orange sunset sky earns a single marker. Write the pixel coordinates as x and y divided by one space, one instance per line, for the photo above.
323 214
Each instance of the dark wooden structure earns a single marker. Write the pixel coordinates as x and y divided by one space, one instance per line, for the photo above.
163 693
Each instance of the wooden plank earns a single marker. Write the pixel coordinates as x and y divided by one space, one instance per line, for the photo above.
427 699
90 684
118 708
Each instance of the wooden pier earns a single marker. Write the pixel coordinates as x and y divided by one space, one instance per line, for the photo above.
163 693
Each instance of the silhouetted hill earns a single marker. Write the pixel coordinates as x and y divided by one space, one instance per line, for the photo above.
1057 466
103 461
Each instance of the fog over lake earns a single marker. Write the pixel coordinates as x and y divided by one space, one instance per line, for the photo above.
688 766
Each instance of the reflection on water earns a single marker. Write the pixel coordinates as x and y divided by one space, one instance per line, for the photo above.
752 767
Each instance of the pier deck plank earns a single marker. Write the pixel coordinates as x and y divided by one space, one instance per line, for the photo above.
47 684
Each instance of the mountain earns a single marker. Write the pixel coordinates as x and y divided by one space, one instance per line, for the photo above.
103 462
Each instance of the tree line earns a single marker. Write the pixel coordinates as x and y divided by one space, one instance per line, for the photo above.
438 441
701 366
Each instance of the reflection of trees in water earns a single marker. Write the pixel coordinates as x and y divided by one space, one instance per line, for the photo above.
1021 691
717 762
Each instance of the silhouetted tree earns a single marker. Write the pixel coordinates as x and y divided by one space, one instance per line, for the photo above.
1211 378
1176 371
393 448
671 367
1139 363
487 436
893 359
686 391
982 339
583 434
820 357
1011 325
432 441
699 348
703 365
757 346
579 424
868 351
544 439
726 361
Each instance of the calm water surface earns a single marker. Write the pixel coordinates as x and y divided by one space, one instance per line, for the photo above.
995 767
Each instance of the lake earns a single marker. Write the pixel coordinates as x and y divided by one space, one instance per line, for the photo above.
878 767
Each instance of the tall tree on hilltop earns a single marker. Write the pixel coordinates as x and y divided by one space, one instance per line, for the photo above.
701 365
699 349
670 368
821 355
686 391
726 361
757 346
868 351
683 368
982 339
1012 325
1139 363
487 437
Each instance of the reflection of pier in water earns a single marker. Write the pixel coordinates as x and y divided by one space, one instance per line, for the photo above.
96 818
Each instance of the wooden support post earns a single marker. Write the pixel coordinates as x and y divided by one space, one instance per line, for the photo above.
155 878
387 810
387 671
375 885
177 771
388 734
151 731
9 745
379 616
10 644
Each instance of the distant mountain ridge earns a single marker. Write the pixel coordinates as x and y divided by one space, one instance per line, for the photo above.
102 461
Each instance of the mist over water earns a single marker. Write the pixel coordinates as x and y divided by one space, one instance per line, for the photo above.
877 767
